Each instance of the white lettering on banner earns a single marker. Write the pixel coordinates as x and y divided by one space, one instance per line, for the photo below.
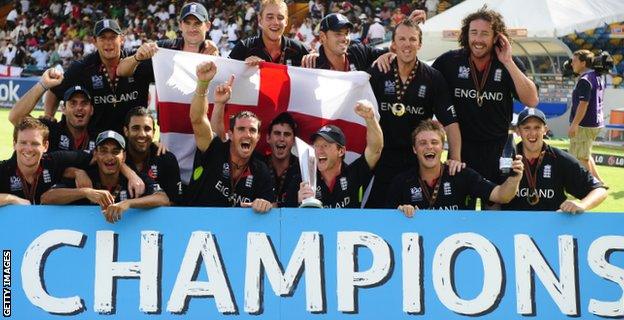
472 94
530 261
307 258
130 96
9 92
385 106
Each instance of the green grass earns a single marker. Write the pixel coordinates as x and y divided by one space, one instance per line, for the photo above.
614 177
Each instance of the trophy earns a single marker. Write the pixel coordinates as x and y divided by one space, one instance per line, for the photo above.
307 165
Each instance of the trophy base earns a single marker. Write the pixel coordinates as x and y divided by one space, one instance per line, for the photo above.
311 203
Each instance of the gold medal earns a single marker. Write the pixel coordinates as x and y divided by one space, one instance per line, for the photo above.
479 85
533 198
398 109
479 99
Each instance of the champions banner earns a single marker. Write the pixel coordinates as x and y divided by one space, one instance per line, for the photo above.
212 263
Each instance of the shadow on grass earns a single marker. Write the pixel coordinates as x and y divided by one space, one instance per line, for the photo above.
617 195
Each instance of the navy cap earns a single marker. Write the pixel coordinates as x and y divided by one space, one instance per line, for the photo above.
110 135
531 113
330 133
196 9
335 22
73 90
106 24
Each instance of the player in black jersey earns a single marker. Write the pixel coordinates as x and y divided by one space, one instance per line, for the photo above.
143 157
430 186
407 94
225 173
283 165
550 173
112 96
270 45
483 78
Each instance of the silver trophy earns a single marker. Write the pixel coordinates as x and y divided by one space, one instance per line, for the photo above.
307 165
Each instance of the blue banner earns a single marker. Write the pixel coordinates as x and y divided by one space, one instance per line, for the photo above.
12 89
213 263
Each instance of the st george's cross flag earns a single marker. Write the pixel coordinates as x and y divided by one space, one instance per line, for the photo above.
313 97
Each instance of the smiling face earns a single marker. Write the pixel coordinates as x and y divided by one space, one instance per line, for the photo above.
244 136
281 139
30 147
532 132
109 157
328 154
406 43
193 30
480 38
139 133
428 147
78 111
273 20
108 44
335 42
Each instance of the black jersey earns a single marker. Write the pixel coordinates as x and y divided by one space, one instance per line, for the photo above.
344 193
491 120
112 98
164 170
51 170
407 188
211 182
292 51
60 139
360 57
282 183
558 174
425 96
120 191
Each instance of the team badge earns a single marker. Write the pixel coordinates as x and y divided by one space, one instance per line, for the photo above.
97 82
352 67
153 171
498 74
130 79
464 72
46 176
451 108
91 145
288 62
123 195
249 181
64 142
416 194
547 171
422 91
343 183
447 188
226 170
15 183
389 87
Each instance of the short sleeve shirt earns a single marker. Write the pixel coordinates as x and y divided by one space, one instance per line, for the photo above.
292 51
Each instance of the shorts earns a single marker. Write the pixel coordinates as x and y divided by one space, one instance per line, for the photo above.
581 144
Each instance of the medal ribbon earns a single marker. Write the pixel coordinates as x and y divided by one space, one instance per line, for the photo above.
30 189
401 89
479 85
532 178
431 199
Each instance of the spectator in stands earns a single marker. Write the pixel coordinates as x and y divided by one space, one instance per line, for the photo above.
550 174
108 189
225 173
338 184
31 171
430 186
586 116
376 32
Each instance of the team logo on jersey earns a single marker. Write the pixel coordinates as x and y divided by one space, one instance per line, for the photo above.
130 79
123 195
343 183
389 87
416 194
464 72
451 108
249 181
15 183
64 142
352 67
153 171
288 62
422 91
97 82
547 171
91 145
498 74
447 188
226 170
46 176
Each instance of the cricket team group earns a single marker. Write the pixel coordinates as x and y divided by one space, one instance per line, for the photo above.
103 151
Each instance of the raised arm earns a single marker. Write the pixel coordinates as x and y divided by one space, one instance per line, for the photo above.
50 79
525 88
222 96
127 65
374 136
199 105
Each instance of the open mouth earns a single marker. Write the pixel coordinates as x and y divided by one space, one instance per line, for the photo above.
280 147
430 156
246 146
322 159
110 165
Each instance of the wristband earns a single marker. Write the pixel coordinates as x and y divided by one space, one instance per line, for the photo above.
205 82
43 86
136 59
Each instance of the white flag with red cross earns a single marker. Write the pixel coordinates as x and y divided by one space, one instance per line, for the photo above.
313 97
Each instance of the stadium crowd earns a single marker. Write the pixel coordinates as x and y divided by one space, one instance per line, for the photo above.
103 150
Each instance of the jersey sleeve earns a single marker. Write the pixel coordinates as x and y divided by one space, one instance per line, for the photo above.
477 185
577 180
292 193
169 179
522 68
265 189
394 197
239 52
443 104
360 172
372 53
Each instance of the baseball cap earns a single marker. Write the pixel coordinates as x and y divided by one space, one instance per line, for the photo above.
531 113
73 90
196 9
330 133
108 135
363 16
335 22
106 24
